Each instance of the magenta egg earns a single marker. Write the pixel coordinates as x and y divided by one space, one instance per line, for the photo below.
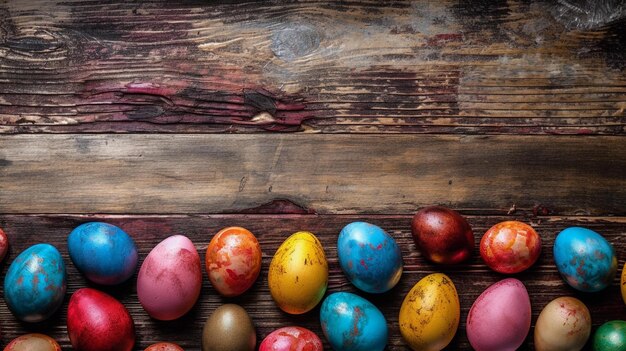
291 339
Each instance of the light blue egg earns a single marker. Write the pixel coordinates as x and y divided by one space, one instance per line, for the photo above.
369 257
35 283
351 323
585 259
104 253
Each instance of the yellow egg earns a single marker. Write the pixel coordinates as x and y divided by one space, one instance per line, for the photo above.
430 313
298 274
623 283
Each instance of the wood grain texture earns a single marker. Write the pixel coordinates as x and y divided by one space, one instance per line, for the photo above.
542 280
497 67
327 174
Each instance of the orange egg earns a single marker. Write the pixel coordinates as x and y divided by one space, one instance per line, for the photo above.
510 247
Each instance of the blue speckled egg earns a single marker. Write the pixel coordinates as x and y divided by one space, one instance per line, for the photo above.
351 323
369 257
34 285
104 253
585 259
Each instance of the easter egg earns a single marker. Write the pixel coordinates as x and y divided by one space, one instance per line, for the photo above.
229 328
170 278
611 336
34 285
98 322
351 323
442 235
233 261
4 245
500 317
623 283
510 247
164 346
370 258
585 259
298 273
430 313
291 339
104 253
564 324
33 342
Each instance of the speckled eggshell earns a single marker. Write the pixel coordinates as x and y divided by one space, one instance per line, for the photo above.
33 342
351 323
233 261
35 283
430 313
500 317
4 245
164 346
104 253
564 324
291 339
98 322
510 247
442 235
229 328
585 259
298 273
369 257
610 336
623 283
170 279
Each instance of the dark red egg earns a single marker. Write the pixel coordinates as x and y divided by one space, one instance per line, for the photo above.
443 235
98 322
4 245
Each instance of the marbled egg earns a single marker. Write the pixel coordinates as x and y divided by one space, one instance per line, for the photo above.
104 253
229 328
510 247
33 342
164 346
298 273
564 324
351 323
369 257
442 235
291 339
430 313
585 259
611 336
500 317
170 278
34 285
98 322
4 245
233 261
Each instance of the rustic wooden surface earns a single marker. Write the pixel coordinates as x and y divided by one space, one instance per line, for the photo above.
524 103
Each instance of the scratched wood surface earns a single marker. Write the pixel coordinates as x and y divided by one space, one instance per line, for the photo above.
524 104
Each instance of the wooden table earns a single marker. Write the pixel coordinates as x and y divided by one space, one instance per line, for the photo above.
171 117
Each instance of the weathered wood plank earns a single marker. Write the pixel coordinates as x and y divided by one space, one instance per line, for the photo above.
323 173
542 280
496 67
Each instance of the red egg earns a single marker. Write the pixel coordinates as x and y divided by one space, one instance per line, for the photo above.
98 322
510 247
164 346
291 339
233 261
442 235
4 245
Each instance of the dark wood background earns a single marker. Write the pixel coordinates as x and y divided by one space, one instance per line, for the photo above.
184 117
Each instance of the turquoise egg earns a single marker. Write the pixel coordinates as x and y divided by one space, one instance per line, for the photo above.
585 259
369 257
104 253
351 323
35 283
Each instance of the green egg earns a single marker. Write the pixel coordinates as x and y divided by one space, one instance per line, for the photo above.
611 336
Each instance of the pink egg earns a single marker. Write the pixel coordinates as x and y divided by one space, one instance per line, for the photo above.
4 245
500 317
170 278
291 339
